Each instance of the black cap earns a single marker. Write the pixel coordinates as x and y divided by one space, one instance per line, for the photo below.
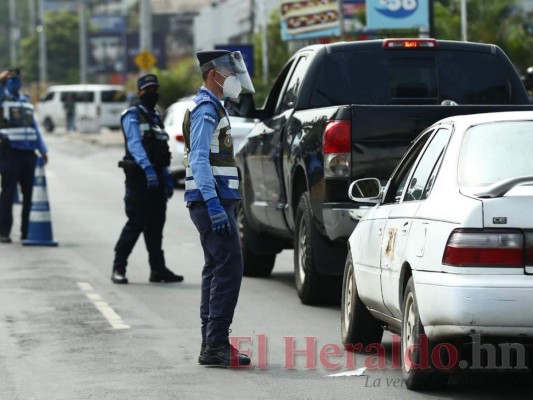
147 80
209 55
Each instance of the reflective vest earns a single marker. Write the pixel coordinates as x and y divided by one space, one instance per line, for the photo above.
154 138
16 124
221 157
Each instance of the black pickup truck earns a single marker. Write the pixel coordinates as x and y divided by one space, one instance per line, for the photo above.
344 111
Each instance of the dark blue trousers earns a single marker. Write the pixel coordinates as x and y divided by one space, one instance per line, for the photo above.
16 167
146 211
221 275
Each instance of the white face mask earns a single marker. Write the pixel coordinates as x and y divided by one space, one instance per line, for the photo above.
232 86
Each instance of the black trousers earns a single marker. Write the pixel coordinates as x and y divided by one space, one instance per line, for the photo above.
221 275
16 167
146 211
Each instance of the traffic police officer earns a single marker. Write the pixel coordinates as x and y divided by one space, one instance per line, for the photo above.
211 193
148 184
19 138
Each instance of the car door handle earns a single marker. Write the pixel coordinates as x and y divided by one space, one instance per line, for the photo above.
380 231
404 229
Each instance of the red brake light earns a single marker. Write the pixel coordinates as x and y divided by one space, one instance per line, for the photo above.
485 249
410 44
179 138
337 137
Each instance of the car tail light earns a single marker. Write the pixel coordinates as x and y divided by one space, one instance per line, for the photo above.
485 249
337 147
180 138
410 44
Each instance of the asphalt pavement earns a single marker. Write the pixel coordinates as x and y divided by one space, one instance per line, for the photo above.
66 332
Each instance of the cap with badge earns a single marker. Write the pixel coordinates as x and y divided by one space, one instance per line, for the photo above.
147 80
231 61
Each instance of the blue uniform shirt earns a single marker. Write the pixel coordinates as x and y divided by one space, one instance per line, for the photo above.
132 130
27 145
204 120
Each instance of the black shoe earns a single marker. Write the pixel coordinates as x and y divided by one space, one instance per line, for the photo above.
165 276
223 355
202 351
119 277
5 239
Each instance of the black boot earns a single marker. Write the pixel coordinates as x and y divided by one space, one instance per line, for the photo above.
165 275
223 355
202 351
119 277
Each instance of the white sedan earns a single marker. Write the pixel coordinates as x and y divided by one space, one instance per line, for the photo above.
446 253
173 122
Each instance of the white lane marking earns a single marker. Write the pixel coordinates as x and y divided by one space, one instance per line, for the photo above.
105 309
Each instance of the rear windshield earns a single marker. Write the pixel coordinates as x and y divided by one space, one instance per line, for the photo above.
113 96
496 151
428 77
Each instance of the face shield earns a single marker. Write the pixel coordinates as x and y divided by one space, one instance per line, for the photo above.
232 63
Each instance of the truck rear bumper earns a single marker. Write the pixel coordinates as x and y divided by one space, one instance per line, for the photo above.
340 218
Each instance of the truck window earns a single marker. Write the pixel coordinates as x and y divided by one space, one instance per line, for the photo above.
293 86
399 77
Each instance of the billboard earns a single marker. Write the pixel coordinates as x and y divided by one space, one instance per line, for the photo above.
309 19
395 14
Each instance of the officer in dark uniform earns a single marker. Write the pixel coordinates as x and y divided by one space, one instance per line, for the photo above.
148 184
19 138
211 193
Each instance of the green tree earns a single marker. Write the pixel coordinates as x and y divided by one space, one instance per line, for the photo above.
499 22
182 80
62 52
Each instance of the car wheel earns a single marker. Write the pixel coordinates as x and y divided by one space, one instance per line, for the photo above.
358 326
313 287
48 125
178 178
418 368
258 265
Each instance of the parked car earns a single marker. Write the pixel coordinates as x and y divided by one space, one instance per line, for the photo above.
96 106
173 122
447 249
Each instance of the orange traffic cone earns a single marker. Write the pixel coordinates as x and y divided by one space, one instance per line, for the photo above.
40 224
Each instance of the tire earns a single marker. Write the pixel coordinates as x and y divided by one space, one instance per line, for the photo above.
358 326
418 370
48 125
313 288
255 264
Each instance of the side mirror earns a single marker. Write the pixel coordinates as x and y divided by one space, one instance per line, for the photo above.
242 106
366 190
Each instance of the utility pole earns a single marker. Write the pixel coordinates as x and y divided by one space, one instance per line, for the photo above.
14 34
264 41
145 39
83 42
42 47
464 19
31 16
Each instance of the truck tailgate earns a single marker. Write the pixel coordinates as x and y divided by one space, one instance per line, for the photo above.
382 134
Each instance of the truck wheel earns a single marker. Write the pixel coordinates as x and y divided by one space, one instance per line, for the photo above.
313 287
257 265
48 125
358 326
418 370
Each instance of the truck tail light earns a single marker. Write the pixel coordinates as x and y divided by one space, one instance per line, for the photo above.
410 44
337 147
485 249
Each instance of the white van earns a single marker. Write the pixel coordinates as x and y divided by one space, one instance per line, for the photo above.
96 106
